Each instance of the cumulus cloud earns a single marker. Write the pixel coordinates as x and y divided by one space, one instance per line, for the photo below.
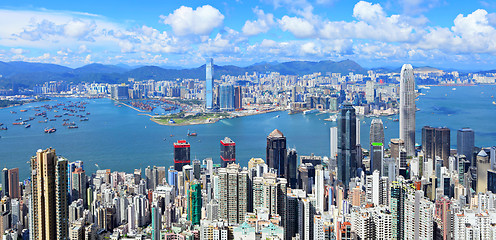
200 21
261 25
299 27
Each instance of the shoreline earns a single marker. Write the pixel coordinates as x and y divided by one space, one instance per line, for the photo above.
212 120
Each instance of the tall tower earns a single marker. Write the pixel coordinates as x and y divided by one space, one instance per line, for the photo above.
14 190
5 182
276 152
292 160
347 150
181 154
49 210
465 144
209 84
238 97
407 108
227 152
376 131
226 98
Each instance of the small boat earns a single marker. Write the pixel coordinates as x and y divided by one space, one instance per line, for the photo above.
192 134
50 130
72 127
84 119
23 110
12 112
277 116
42 121
396 120
53 119
385 127
88 113
65 120
494 102
28 126
19 119
1 124
172 121
18 123
3 128
57 116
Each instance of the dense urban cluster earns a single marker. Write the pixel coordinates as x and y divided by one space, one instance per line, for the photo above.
387 190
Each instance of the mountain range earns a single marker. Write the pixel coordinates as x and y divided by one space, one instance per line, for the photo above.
27 74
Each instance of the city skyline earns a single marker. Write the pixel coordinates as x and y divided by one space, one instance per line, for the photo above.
454 34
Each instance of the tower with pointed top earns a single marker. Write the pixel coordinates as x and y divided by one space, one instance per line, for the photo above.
407 109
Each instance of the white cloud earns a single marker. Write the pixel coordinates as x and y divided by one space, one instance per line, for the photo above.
261 25
201 21
299 27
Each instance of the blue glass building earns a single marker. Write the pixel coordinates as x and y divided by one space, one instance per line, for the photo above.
209 84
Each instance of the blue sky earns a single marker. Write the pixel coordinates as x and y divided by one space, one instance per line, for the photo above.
439 33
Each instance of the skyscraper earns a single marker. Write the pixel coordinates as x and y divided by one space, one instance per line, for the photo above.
334 142
292 160
276 152
49 210
465 138
376 156
5 182
376 131
436 143
442 145
238 97
227 152
347 151
209 84
226 101
156 223
14 190
428 142
407 108
181 154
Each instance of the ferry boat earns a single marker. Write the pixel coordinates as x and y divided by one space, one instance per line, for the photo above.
310 111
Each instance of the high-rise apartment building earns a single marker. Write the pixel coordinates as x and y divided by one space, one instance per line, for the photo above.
465 138
347 151
209 84
276 153
181 154
407 109
376 131
270 192
233 194
227 152
49 210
